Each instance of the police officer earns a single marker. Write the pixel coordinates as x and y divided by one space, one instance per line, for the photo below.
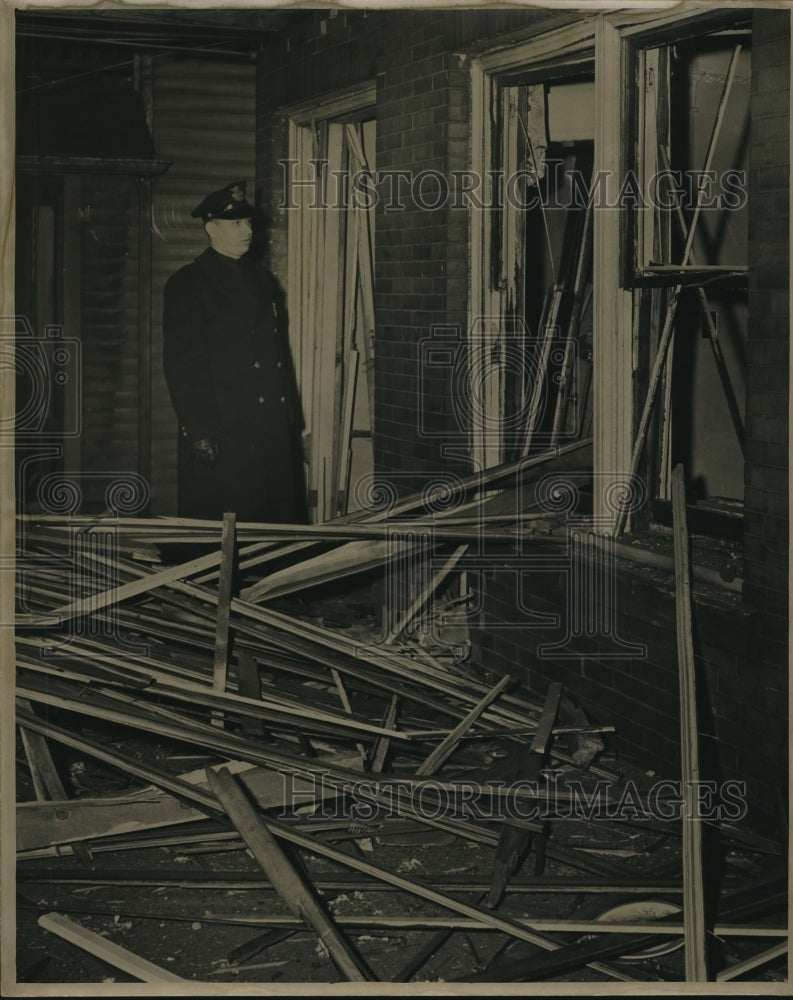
230 376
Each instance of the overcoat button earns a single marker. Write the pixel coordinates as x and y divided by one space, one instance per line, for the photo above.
283 399
257 364
261 399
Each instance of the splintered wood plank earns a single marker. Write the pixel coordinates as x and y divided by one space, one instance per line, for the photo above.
693 882
422 598
345 701
345 444
221 660
544 730
739 968
346 560
146 583
384 743
288 884
513 840
249 685
107 951
46 780
450 744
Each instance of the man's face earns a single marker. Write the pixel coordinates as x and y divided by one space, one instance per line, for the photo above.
230 237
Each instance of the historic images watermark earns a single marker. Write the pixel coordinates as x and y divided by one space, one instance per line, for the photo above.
432 190
49 417
554 796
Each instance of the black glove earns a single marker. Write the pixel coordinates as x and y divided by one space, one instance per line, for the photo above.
205 451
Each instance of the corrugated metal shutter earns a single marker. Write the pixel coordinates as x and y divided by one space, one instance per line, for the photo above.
108 225
204 122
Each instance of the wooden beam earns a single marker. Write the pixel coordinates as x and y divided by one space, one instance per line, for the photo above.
249 685
740 968
346 560
221 661
384 743
513 841
46 780
288 884
693 881
421 599
221 879
345 443
450 744
107 951
143 585
144 322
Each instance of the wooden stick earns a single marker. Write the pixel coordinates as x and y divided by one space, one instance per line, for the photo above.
713 335
354 557
345 701
107 951
547 332
513 841
739 968
221 663
427 950
345 445
205 880
134 588
449 745
249 685
283 876
46 780
422 598
693 884
384 743
245 952
447 924
582 260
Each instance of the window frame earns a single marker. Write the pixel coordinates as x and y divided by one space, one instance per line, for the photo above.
611 40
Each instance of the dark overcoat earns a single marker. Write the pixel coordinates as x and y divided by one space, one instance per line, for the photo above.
230 375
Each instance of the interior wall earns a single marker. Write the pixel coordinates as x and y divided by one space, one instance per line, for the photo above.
767 503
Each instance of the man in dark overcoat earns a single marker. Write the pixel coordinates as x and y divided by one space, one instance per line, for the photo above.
230 375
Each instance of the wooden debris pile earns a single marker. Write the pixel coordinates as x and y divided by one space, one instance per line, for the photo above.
309 738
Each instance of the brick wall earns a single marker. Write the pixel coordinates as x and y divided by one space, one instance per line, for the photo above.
636 690
766 469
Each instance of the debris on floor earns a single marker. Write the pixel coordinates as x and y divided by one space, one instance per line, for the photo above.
229 772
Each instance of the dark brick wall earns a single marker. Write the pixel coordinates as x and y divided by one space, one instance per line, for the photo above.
638 694
766 469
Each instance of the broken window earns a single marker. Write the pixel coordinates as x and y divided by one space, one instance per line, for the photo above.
331 295
686 259
531 333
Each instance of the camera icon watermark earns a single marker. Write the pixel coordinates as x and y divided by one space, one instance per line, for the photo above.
499 380
48 373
